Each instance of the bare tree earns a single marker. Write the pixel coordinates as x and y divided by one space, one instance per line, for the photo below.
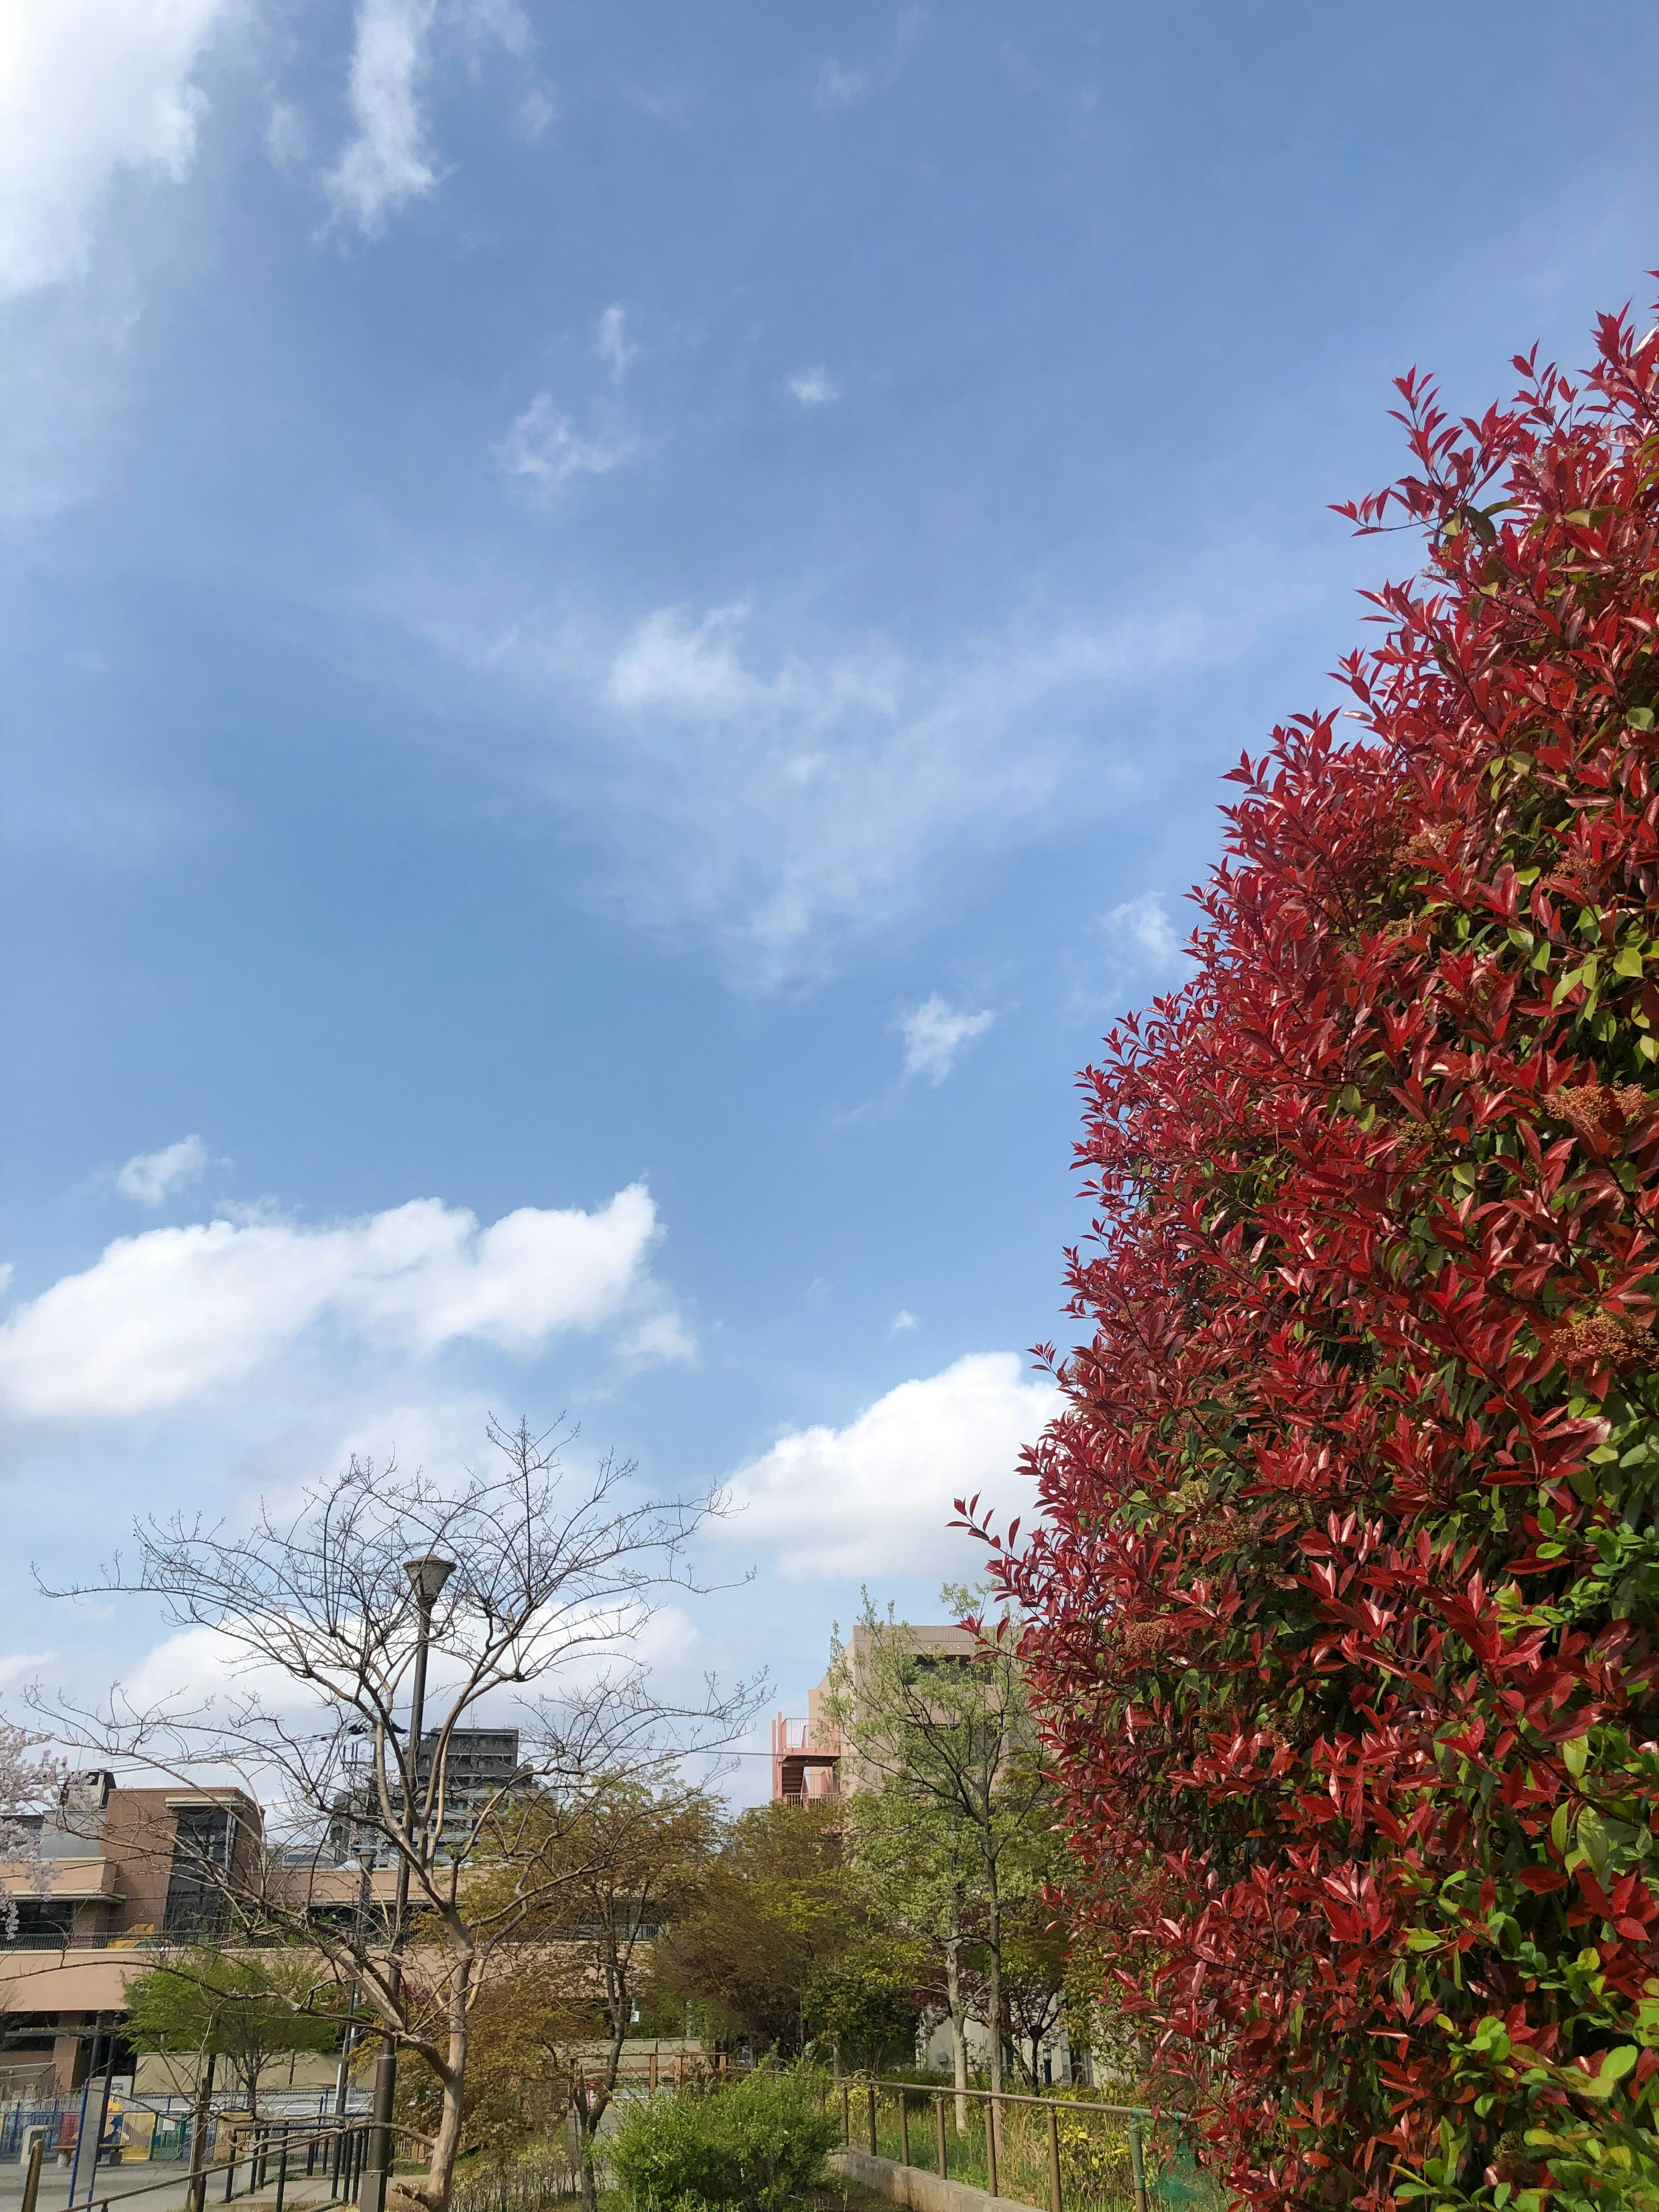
554 1575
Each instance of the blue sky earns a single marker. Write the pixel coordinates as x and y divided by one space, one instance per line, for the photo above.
620 630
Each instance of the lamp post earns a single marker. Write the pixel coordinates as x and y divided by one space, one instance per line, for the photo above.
426 1577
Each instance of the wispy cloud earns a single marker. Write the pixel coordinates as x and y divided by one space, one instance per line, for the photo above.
934 1033
613 340
288 139
537 112
388 161
545 448
837 85
1140 934
151 1177
785 802
814 388
903 1321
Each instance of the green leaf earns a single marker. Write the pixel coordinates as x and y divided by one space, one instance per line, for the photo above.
1640 718
1615 2065
1574 1754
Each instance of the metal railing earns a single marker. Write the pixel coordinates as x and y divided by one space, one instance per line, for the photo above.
260 2147
1041 2164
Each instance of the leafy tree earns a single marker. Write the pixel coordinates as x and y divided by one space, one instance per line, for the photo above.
863 2003
247 2009
916 1870
628 1864
772 1908
1340 1615
952 1738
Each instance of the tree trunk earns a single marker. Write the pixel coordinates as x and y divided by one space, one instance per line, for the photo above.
447 2142
993 1994
953 1999
200 2119
591 2107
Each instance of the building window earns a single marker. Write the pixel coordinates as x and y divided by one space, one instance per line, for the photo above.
201 1853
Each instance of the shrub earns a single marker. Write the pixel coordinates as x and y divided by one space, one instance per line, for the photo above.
1341 1611
758 2146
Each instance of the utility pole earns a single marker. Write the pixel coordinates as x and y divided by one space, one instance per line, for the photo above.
426 1578
195 2195
94 2107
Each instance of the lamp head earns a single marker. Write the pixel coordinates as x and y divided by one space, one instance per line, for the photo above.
428 1575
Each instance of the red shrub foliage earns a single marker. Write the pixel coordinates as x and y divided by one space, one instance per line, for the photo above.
1341 1607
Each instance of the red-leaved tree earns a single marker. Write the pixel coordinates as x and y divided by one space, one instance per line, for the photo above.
1341 1609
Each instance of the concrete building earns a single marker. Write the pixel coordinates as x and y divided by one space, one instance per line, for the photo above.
809 1758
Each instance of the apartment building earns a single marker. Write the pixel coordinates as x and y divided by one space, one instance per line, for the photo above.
481 1765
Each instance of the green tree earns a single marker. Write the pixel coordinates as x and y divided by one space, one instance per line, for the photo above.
245 2009
950 1735
773 1908
863 2001
916 1869
620 1867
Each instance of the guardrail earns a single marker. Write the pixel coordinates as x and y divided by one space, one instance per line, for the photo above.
995 2102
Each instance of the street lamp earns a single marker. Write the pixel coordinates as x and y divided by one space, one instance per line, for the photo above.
426 1578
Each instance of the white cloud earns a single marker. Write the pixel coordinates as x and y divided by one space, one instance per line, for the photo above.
15 1665
388 161
88 88
151 1177
901 1321
876 1496
838 86
934 1033
814 388
1141 935
542 447
613 340
164 1317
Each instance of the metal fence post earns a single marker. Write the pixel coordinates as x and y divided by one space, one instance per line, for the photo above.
904 2127
873 2151
1138 2165
992 2116
32 2178
1055 2203
282 2172
846 2115
938 2128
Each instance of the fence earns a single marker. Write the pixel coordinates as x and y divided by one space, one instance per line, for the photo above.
259 2152
1060 2152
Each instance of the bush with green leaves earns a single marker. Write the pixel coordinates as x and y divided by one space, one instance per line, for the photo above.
758 2146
